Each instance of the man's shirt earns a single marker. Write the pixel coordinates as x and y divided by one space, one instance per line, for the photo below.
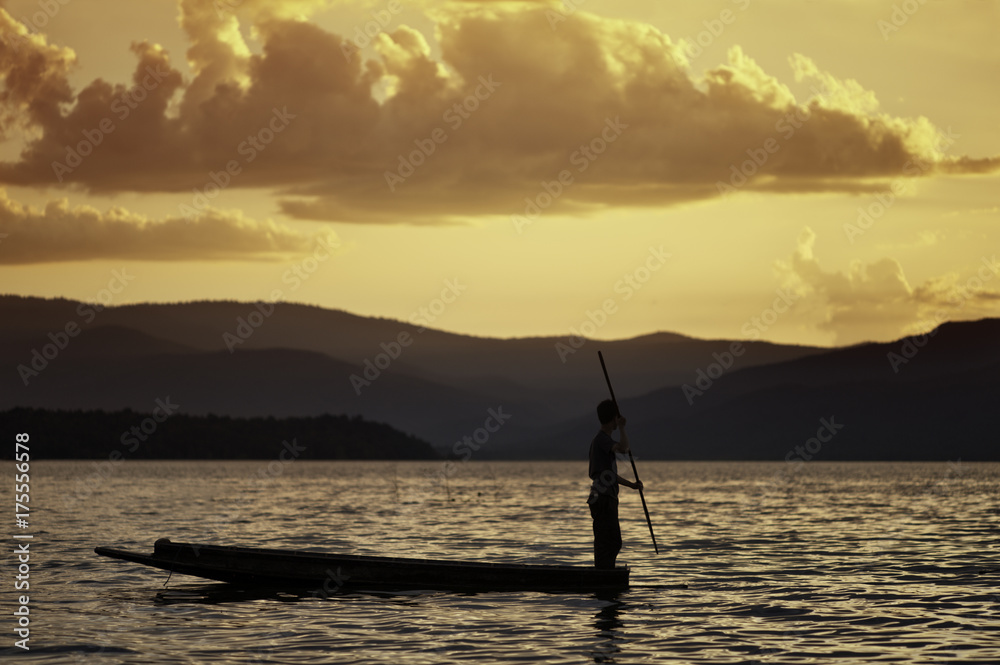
603 465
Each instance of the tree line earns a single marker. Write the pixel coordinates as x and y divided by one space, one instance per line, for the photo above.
62 434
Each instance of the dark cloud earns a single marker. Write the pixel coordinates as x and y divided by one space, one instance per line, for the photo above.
60 233
516 100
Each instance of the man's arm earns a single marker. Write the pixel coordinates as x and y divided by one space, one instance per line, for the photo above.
629 483
621 446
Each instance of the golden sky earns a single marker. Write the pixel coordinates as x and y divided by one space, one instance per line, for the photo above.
802 172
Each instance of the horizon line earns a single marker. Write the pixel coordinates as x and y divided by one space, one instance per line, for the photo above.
476 335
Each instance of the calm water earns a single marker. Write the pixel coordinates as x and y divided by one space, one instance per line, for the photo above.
759 563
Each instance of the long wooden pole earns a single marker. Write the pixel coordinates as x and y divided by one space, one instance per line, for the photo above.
630 458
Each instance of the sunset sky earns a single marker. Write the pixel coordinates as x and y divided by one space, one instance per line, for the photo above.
803 172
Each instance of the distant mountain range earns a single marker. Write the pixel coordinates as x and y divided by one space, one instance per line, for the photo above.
510 398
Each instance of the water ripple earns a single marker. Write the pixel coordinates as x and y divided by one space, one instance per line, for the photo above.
862 563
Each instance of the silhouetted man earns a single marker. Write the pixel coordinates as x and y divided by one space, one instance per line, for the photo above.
603 498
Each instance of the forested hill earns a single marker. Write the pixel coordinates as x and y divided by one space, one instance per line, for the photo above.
127 434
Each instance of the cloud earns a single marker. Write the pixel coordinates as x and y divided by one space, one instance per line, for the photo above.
876 302
514 101
60 233
34 75
218 53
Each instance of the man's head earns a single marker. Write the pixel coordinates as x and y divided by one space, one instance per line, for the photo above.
606 412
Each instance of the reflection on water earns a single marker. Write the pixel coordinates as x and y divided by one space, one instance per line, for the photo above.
853 562
608 624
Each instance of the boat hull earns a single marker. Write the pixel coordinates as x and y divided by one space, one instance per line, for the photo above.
324 574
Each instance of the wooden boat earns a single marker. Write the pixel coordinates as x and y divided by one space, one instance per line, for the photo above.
323 574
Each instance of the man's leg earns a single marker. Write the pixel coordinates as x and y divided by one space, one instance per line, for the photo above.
615 532
607 533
